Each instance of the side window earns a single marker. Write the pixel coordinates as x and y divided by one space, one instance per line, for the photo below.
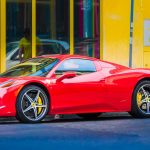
80 66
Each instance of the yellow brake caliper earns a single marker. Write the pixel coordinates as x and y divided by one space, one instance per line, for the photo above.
39 101
139 98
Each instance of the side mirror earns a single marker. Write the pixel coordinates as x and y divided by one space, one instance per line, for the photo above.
66 75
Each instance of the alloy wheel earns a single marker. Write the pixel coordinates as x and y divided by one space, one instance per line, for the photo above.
34 104
143 99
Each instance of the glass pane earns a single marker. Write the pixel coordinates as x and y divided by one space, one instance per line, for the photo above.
19 25
87 28
32 67
77 65
52 27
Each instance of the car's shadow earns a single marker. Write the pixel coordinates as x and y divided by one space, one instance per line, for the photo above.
87 120
71 118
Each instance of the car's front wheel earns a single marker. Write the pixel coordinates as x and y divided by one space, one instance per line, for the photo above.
141 100
32 104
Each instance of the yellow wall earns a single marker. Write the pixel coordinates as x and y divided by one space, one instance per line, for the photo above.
141 53
2 35
115 31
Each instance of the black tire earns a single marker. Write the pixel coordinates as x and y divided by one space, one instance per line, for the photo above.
32 104
89 115
18 118
138 105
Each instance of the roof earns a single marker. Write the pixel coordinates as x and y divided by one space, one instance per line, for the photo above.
61 57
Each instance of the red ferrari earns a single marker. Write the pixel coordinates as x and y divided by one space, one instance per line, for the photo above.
70 84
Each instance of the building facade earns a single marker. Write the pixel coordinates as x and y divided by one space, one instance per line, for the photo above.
112 30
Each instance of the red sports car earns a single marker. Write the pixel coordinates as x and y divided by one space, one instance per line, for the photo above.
70 84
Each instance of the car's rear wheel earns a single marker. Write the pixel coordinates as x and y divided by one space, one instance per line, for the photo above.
32 104
141 100
89 115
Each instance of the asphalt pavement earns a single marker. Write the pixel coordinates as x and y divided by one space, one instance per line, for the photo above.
110 131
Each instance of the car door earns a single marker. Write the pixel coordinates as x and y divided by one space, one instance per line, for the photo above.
82 93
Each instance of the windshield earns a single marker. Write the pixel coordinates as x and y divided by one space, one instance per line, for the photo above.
31 67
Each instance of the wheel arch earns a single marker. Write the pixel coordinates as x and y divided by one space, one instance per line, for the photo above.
39 85
143 79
